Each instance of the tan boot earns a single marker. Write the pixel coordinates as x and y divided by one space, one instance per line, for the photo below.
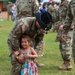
62 67
38 64
66 66
69 67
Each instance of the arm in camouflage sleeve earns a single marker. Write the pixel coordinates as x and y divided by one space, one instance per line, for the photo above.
17 3
68 19
38 43
38 40
55 18
36 2
18 31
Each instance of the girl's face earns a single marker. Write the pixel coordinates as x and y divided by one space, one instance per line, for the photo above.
25 44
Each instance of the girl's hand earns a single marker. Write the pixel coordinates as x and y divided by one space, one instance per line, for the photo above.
26 56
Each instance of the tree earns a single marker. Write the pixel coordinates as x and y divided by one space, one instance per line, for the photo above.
40 0
13 1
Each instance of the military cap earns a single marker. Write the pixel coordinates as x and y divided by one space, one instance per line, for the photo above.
44 20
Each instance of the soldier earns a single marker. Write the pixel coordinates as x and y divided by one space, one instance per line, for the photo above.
72 23
9 13
65 45
68 31
26 7
51 9
27 25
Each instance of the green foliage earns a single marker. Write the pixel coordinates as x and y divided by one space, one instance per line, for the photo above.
13 1
52 58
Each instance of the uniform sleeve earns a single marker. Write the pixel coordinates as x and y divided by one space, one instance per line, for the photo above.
56 14
36 2
68 19
17 5
38 41
17 32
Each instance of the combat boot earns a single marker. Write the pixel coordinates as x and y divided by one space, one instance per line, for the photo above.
66 66
38 64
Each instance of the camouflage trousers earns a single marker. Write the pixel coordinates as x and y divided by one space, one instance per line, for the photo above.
73 48
39 47
16 67
65 47
55 27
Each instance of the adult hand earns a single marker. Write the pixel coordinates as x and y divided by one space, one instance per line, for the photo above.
61 28
20 58
16 53
46 32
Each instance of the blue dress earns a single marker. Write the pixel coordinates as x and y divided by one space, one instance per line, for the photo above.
29 67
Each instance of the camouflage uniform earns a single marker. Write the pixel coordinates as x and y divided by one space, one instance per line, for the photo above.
26 7
36 9
23 26
70 22
72 8
9 13
24 20
65 47
51 9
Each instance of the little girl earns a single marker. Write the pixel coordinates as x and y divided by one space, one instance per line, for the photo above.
29 67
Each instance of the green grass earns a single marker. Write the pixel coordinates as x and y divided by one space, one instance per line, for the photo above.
52 58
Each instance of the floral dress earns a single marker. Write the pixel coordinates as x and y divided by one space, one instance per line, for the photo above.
29 67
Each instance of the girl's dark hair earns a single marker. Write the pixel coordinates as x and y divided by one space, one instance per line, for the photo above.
24 36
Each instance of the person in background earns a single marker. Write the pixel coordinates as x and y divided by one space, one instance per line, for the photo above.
51 9
68 37
1 15
26 8
14 12
56 6
65 43
9 13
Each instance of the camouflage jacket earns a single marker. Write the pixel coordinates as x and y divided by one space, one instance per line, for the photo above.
70 18
62 11
24 26
51 9
25 7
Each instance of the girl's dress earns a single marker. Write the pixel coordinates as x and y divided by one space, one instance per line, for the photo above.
29 67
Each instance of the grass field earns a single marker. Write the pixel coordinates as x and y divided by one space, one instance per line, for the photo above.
52 58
